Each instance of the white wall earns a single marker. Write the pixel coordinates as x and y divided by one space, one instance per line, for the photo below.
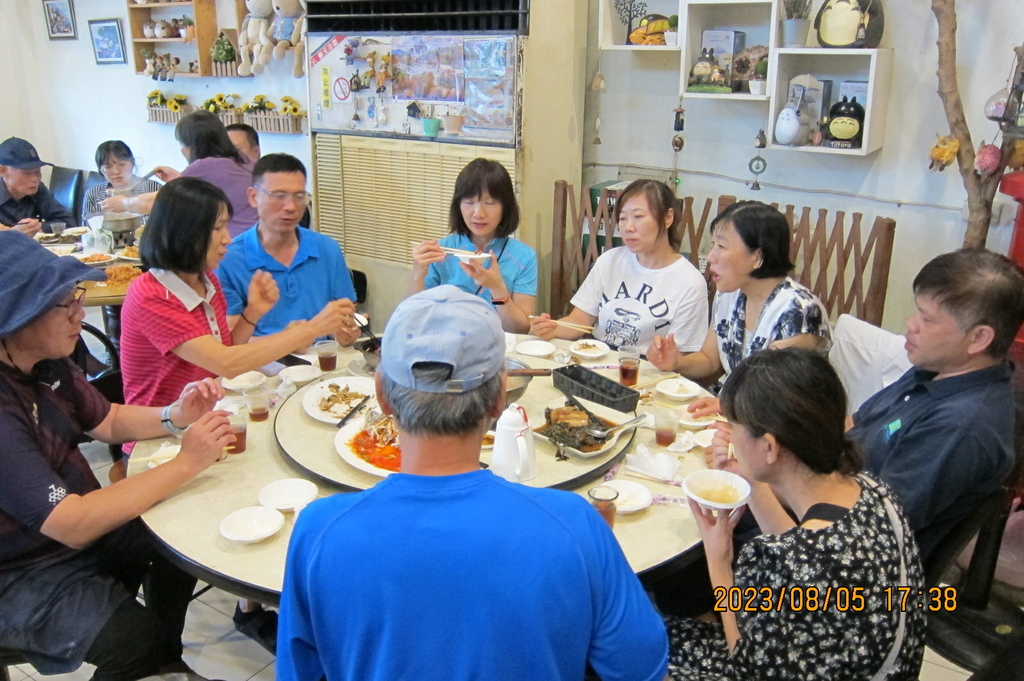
636 127
66 104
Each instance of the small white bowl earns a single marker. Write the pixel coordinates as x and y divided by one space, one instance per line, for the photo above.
250 379
536 348
703 438
288 494
687 420
735 490
679 389
589 349
301 374
252 524
479 257
633 496
76 231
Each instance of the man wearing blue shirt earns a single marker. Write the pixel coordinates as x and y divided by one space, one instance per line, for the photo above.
309 268
942 435
25 203
444 570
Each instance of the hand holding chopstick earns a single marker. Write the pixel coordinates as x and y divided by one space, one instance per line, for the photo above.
569 325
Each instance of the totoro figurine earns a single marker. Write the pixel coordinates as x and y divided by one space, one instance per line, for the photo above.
850 23
845 125
700 72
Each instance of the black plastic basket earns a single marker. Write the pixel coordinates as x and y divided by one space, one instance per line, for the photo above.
582 382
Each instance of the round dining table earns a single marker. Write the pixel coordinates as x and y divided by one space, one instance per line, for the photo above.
656 540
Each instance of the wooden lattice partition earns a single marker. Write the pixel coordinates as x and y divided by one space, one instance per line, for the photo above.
847 270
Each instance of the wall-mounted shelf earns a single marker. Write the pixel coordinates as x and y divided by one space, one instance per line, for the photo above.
203 13
612 32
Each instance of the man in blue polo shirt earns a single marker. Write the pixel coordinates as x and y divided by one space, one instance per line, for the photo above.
942 436
309 267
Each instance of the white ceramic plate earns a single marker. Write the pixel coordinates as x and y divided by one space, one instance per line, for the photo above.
250 379
734 490
589 349
288 494
358 367
252 524
61 249
686 420
76 231
536 348
479 257
107 259
703 438
301 374
311 400
120 254
166 453
602 412
679 389
490 434
341 440
633 496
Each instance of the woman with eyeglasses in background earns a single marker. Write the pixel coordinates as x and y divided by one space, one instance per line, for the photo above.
117 164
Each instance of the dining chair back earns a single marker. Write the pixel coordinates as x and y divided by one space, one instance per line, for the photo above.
65 184
9 658
92 178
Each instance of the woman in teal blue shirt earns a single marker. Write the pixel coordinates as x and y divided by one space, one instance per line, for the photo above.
482 218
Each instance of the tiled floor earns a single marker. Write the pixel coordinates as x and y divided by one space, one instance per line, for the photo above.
214 649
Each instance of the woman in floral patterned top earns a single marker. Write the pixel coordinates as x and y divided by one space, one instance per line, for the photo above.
829 534
756 307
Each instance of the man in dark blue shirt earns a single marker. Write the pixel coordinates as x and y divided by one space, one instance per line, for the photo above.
942 435
25 203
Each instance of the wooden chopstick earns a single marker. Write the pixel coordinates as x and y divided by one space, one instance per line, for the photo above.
570 325
457 251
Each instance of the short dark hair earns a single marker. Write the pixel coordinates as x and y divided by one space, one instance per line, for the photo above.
795 395
250 132
976 286
112 149
204 135
178 231
483 175
761 227
277 163
660 200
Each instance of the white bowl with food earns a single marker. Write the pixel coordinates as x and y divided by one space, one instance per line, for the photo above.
129 254
250 379
632 497
301 374
76 231
691 422
717 489
480 258
536 348
288 494
679 389
61 249
252 524
589 349
95 259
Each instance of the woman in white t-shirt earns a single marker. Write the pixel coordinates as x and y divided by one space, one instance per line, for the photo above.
756 306
644 287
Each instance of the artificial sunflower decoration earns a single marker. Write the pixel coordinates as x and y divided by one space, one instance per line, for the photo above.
260 103
156 98
173 105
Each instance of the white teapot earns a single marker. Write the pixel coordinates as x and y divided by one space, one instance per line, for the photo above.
514 457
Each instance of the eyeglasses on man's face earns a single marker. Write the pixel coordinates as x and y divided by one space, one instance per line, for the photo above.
281 197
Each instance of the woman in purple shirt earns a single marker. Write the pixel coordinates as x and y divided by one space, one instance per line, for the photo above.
212 157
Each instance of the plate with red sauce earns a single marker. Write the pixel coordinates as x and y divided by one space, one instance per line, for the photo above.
359 450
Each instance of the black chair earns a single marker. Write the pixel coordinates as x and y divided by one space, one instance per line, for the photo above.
360 284
9 658
65 184
1006 665
973 634
89 363
92 178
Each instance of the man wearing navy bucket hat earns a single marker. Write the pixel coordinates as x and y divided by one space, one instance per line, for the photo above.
72 555
455 572
26 205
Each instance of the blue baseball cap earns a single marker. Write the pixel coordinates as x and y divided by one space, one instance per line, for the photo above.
18 153
448 326
33 280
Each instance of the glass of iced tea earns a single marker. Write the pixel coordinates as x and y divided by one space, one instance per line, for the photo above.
629 364
327 354
666 425
602 498
239 427
258 401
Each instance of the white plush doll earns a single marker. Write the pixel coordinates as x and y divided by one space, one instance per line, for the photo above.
300 44
287 25
250 36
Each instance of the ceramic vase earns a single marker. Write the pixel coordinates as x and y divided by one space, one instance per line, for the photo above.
758 87
794 32
452 124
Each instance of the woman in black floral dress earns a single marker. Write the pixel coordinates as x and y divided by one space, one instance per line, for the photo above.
812 589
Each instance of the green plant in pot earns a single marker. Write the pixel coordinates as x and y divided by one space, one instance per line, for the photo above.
758 83
796 24
222 50
672 34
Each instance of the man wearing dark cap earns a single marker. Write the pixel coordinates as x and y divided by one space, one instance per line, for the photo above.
448 571
72 555
26 205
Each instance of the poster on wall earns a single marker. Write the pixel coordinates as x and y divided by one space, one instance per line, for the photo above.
60 19
490 83
427 68
107 41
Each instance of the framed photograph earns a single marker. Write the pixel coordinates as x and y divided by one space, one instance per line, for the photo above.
60 19
107 41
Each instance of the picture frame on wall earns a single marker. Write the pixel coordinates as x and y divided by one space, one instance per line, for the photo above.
107 41
60 19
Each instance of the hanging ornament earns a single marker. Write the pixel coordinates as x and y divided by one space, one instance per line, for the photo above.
598 82
757 166
597 131
677 143
989 159
679 121
995 107
943 153
761 141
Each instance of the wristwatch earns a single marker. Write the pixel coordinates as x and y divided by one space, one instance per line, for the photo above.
167 423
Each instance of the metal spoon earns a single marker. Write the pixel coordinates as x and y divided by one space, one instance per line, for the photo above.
603 433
